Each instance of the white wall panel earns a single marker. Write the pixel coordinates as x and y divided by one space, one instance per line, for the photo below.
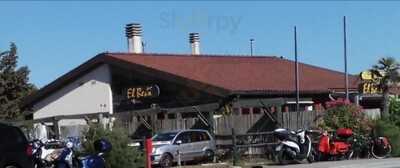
91 93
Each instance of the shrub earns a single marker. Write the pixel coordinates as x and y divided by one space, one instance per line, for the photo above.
394 110
343 114
121 156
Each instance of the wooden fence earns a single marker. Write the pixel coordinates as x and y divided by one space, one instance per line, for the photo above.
296 120
138 126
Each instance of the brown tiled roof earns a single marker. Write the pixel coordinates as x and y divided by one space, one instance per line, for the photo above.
242 73
220 75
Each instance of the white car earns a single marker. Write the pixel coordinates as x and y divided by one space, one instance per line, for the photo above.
189 145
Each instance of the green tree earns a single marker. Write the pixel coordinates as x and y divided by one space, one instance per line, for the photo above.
388 69
121 155
14 84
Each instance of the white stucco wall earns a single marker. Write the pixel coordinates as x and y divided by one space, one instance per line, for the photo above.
88 94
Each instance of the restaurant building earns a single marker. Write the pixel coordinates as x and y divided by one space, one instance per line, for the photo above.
149 92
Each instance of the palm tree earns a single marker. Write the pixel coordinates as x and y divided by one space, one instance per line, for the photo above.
388 70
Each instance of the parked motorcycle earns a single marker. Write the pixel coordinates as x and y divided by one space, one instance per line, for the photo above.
336 147
294 146
96 160
55 154
45 154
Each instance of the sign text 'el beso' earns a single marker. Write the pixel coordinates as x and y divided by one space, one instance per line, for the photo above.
143 92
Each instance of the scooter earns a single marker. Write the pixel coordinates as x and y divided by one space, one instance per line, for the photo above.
294 146
337 147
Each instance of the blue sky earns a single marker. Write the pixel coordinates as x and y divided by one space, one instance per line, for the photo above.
55 37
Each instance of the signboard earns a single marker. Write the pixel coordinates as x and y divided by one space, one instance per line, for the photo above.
141 92
370 82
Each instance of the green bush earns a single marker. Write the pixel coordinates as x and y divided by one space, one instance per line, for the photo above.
394 110
389 129
121 156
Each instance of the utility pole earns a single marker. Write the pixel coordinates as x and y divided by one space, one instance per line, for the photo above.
346 78
296 76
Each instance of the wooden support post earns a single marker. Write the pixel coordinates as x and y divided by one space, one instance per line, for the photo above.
279 115
234 148
56 128
211 128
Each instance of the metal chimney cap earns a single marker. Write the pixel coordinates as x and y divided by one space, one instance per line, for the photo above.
133 29
194 37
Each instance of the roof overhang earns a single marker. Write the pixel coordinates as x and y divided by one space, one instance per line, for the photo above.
101 59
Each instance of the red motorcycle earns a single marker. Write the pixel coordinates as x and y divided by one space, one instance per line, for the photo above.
335 147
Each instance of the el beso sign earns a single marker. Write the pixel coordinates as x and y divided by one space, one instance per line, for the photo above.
139 92
370 83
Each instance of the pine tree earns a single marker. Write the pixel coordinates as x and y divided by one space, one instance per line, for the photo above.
14 84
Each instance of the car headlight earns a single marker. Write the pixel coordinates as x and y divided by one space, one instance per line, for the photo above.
156 151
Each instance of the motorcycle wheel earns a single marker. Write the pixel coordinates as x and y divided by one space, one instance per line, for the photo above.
382 155
282 157
349 154
311 158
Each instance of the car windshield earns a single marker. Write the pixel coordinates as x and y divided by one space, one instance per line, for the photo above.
164 136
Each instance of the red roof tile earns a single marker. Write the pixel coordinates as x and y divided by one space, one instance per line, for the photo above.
242 73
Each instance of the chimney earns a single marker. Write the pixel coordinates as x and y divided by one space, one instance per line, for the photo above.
134 35
194 40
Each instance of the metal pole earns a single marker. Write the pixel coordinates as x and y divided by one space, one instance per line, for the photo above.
251 47
346 78
296 76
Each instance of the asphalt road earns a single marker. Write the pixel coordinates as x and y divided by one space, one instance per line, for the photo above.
362 163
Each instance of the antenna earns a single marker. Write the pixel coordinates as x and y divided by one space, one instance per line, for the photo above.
251 46
143 46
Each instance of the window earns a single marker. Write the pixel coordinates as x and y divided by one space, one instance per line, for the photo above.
12 135
256 111
189 115
204 136
195 136
171 116
245 111
184 137
160 116
164 136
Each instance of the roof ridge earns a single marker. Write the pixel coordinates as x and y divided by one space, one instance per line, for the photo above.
281 58
201 55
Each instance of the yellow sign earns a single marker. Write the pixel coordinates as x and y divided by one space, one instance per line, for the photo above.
366 75
370 84
143 92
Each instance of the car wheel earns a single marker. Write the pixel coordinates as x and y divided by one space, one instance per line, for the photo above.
166 161
209 155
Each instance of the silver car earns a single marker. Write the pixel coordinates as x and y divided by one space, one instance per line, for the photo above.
187 145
